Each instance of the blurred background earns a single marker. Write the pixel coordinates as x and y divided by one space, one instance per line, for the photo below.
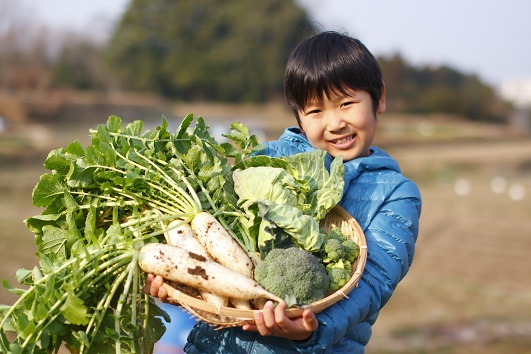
458 78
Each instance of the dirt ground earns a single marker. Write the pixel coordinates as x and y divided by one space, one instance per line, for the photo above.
468 291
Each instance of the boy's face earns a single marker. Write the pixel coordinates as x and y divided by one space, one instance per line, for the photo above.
342 124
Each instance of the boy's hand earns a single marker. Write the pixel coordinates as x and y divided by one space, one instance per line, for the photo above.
272 321
154 287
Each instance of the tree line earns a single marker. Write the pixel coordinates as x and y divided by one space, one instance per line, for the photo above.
197 50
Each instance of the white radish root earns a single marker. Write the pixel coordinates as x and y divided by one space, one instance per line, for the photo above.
240 304
223 248
259 303
183 236
176 264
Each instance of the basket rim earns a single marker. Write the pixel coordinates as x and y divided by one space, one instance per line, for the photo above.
241 316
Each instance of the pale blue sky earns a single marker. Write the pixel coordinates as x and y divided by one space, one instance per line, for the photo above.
485 37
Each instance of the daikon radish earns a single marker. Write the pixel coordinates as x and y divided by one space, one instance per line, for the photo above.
223 248
183 236
176 264
241 304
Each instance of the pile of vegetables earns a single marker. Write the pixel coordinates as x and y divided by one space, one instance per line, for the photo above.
181 205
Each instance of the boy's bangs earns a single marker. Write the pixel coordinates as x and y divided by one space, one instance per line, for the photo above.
317 91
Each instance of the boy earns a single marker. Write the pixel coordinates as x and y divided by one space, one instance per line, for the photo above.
334 87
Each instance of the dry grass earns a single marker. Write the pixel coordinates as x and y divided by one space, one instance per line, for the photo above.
468 290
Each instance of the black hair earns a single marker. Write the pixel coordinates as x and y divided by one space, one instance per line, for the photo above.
330 63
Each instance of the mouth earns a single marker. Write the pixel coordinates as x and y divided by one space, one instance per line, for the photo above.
344 141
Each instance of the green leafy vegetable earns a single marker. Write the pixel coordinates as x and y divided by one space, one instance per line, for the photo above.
287 195
102 204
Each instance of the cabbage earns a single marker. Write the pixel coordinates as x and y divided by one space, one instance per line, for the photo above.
284 198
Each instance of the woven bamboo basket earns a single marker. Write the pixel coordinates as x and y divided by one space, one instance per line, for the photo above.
222 317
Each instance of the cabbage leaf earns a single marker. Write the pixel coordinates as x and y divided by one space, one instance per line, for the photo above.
288 196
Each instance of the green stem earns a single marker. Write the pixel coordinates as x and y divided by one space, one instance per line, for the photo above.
41 281
37 332
121 301
190 198
185 217
99 307
107 299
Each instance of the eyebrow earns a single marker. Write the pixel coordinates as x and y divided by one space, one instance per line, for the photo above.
338 95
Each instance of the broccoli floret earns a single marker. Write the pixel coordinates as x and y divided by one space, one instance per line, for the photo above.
293 274
338 278
339 274
352 250
337 254
341 264
337 246
337 234
333 250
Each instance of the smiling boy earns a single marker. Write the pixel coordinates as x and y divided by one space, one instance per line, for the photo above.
334 87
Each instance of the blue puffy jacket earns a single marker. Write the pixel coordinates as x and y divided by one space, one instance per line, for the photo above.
387 206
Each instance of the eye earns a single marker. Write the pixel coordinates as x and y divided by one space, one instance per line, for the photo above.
312 111
346 104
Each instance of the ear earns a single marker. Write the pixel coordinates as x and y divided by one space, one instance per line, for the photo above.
382 102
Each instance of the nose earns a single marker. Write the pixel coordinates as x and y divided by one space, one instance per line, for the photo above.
335 121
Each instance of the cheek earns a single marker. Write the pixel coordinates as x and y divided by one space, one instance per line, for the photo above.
369 125
306 126
311 129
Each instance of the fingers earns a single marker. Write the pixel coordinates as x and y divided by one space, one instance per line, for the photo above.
265 319
309 321
249 327
280 313
154 287
162 294
273 321
149 281
269 313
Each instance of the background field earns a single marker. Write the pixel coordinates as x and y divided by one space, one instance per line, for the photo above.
469 289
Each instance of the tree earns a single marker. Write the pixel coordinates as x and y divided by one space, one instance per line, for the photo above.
77 65
234 50
23 55
439 89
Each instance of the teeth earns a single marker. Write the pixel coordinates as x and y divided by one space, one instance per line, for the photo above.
344 140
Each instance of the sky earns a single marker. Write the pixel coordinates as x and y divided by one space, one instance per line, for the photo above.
489 38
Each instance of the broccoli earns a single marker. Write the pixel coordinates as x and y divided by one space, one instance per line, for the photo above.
337 246
293 274
333 250
338 278
339 273
337 254
352 250
341 264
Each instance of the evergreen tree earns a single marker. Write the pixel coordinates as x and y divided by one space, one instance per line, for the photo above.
235 50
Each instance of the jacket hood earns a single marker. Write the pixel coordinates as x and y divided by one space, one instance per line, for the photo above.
378 160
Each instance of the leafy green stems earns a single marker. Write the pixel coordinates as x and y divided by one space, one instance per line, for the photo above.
102 203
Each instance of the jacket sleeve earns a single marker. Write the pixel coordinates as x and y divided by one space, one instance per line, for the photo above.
391 231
